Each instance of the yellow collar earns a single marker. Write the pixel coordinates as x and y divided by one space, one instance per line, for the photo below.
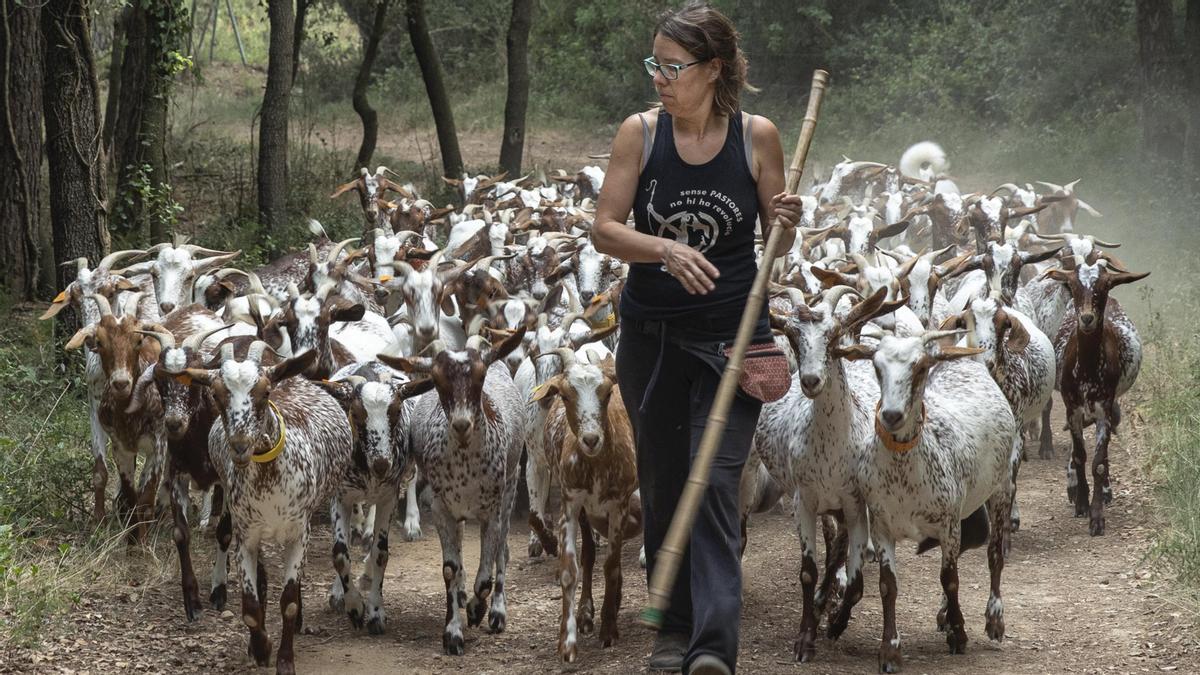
889 440
278 449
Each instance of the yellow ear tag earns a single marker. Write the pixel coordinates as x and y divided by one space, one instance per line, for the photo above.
385 278
61 297
184 379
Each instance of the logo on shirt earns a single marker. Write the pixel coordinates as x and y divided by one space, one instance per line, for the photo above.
694 218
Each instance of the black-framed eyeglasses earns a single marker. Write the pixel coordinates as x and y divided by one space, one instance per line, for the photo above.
668 70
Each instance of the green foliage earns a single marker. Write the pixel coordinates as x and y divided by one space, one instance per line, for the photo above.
157 204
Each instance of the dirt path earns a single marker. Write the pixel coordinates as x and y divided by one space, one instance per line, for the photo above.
1073 604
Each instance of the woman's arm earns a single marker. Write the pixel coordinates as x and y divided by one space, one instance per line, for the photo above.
775 207
611 236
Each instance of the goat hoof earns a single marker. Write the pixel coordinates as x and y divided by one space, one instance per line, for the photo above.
585 623
412 532
376 626
259 649
218 597
337 603
356 618
1081 510
1071 490
284 667
837 624
890 660
535 548
497 621
567 653
995 629
956 639
452 644
805 649
1096 526
476 608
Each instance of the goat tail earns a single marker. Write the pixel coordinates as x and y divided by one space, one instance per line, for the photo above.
921 155
316 229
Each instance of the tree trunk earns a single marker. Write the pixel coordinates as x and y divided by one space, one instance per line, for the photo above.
512 146
435 86
1161 124
370 119
1192 59
298 39
114 79
273 128
139 144
71 102
21 149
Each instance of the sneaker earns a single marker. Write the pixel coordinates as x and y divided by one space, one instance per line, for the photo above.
669 649
707 664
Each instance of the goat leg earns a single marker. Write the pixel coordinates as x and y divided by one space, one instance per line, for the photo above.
805 647
613 579
857 536
253 601
219 594
997 544
1099 477
585 616
835 559
568 638
956 634
377 560
890 659
1046 447
350 599
1077 482
289 605
182 535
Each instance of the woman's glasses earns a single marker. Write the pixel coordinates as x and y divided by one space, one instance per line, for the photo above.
668 70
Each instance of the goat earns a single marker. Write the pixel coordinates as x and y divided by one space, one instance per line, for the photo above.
99 281
1099 356
123 357
1061 216
813 445
590 437
281 449
188 413
943 434
371 188
1021 360
175 269
467 441
379 413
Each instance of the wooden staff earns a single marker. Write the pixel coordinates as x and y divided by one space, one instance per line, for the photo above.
670 554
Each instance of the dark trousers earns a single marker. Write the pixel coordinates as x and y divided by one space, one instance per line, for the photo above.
668 421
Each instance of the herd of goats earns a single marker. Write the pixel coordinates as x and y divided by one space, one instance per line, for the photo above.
429 362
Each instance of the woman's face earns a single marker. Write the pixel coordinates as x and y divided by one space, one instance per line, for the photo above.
695 84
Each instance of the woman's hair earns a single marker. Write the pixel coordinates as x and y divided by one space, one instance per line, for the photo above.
708 34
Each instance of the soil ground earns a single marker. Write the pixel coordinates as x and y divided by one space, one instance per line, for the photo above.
1073 603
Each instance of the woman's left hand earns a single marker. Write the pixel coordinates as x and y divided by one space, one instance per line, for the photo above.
787 209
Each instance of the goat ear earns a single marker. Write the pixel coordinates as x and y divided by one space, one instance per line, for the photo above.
413 365
830 278
1119 278
1018 337
60 302
1030 258
447 299
340 312
200 376
966 265
865 310
343 189
340 390
414 388
124 284
552 299
548 388
1061 276
891 230
854 352
291 367
949 353
500 351
595 335
145 395
87 335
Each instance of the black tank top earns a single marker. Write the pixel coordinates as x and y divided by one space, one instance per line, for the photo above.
712 207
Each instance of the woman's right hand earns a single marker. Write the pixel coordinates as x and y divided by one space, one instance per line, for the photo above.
689 267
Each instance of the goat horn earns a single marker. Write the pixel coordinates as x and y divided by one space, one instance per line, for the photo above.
193 342
227 352
1070 187
109 260
1052 186
324 291
79 263
102 303
434 348
256 286
255 351
567 355
934 335
834 295
1087 207
1105 244
312 254
337 249
1012 188
228 271
1065 236
200 250
165 340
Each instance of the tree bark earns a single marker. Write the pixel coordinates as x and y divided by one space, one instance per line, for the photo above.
298 39
114 80
512 145
139 144
71 101
21 148
273 127
435 86
1192 59
370 119
1161 124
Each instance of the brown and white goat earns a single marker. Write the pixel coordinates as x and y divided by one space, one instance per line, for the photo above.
467 441
589 434
371 188
1099 356
282 447
124 355
1061 216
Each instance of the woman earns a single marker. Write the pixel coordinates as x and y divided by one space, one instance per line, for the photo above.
697 173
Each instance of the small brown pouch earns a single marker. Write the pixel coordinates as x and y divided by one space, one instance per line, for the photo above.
765 375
